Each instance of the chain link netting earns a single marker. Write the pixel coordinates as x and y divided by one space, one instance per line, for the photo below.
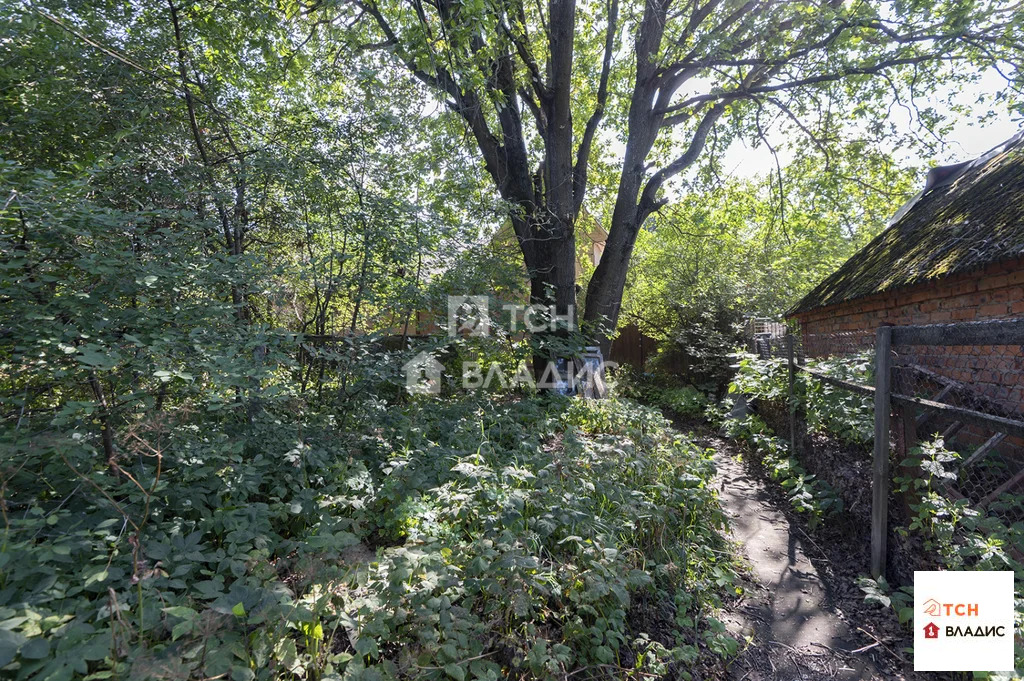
988 379
987 468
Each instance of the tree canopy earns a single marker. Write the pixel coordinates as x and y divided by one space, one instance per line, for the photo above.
548 91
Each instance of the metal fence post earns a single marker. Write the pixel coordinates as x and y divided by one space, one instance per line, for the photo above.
880 463
792 394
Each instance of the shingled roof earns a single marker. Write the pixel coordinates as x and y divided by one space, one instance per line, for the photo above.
968 216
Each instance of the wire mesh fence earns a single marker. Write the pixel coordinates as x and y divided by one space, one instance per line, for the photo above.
970 379
837 346
816 347
956 389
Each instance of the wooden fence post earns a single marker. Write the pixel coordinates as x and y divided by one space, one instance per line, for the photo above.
792 394
880 463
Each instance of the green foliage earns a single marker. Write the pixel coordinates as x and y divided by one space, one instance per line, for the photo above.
662 391
468 539
763 379
846 415
879 591
686 401
828 409
959 536
739 247
209 466
218 239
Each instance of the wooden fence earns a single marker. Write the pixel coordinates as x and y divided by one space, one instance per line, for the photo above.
1000 421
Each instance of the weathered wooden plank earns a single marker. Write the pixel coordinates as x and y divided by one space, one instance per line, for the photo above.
1015 480
952 430
996 332
838 382
984 403
927 415
880 462
937 377
792 394
983 450
998 424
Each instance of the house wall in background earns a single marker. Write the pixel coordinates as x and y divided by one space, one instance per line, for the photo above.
995 292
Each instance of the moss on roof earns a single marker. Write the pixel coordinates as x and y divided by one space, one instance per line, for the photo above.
975 221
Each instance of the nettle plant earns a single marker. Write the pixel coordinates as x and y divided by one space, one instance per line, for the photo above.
527 539
469 538
962 537
828 409
835 411
767 380
685 401
758 378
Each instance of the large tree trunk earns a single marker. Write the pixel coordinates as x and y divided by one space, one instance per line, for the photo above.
550 255
604 293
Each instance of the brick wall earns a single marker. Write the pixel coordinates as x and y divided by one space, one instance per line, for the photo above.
996 292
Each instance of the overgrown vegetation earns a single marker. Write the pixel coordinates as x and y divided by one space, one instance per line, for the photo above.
826 408
843 414
663 391
953 534
227 228
470 538
741 246
806 493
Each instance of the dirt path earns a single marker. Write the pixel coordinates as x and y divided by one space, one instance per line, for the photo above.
797 636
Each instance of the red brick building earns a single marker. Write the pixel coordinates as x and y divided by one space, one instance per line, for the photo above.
954 253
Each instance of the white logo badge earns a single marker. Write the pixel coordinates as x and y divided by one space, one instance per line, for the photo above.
963 621
423 374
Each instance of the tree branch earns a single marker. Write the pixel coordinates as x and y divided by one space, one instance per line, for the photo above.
579 179
648 199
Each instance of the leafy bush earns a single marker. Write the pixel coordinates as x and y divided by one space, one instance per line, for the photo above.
682 400
758 378
828 409
846 415
686 401
468 538
701 335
